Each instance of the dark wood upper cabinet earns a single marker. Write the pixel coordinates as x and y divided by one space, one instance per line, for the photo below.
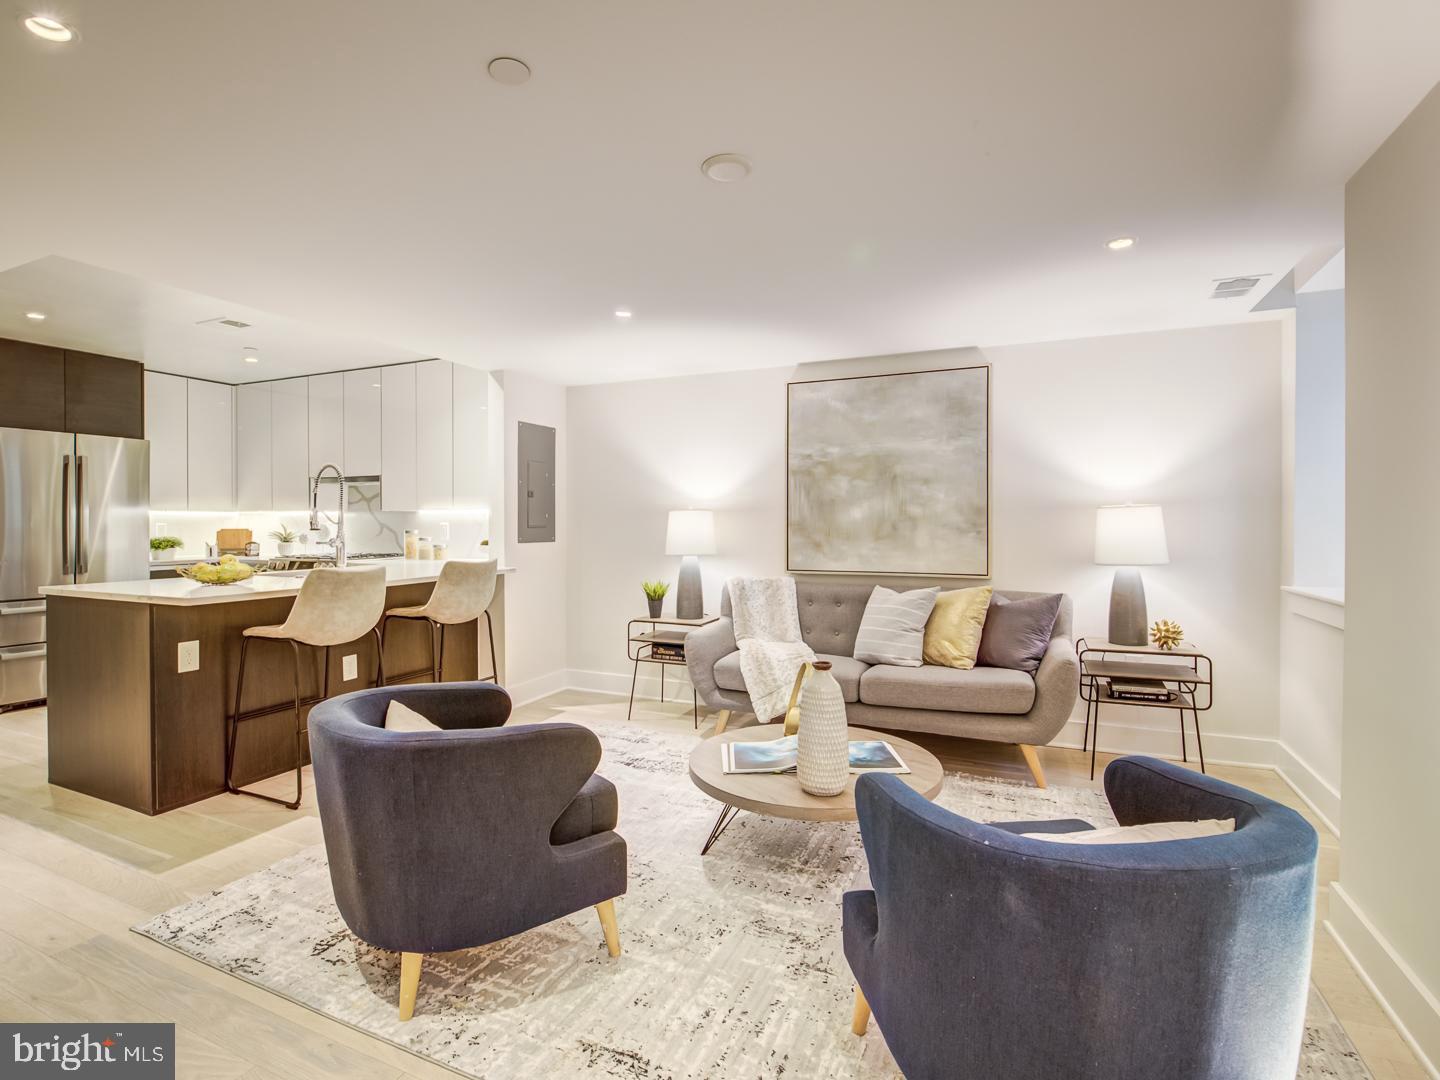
104 395
32 386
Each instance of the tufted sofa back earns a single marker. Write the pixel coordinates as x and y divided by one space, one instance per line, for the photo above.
830 611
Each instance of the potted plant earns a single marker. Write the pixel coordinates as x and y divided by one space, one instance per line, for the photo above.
285 539
159 545
655 595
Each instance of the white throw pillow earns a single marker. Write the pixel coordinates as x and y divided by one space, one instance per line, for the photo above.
400 717
1141 834
892 630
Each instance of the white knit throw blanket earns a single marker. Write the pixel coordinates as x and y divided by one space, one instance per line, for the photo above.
767 630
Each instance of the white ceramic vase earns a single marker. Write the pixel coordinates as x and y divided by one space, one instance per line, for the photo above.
824 752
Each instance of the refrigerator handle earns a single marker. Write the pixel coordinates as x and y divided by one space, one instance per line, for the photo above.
65 567
82 557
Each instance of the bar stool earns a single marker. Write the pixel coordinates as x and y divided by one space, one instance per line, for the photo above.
462 594
333 607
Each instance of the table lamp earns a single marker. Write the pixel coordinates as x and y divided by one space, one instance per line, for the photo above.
1127 537
690 533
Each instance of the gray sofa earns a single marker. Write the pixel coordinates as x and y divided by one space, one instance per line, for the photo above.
983 703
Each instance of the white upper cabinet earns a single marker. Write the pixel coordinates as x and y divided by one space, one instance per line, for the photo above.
167 410
364 423
289 444
212 445
471 390
398 477
435 450
327 421
254 460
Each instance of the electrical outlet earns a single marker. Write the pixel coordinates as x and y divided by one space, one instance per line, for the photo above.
445 531
189 656
162 529
349 666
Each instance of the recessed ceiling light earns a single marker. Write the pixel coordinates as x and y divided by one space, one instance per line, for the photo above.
42 26
38 316
621 313
726 168
250 356
1120 243
509 71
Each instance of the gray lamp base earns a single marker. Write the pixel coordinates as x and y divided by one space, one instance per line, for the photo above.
1128 624
689 592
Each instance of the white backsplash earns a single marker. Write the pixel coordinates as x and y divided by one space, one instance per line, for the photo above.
365 529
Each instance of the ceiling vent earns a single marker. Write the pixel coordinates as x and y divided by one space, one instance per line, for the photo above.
1225 288
234 324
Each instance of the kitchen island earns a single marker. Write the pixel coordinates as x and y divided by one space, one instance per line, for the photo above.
128 725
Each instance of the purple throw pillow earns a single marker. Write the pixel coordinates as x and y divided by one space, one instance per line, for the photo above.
1017 632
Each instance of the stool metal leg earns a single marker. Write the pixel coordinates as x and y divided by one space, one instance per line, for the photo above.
299 732
434 652
235 720
379 654
490 633
440 663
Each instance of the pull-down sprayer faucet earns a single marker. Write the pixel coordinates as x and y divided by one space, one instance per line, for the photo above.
338 540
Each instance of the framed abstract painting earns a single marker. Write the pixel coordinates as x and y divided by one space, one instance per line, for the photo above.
890 474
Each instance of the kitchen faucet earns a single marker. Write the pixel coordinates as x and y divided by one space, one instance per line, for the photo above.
338 540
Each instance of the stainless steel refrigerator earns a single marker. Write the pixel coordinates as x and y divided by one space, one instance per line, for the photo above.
73 508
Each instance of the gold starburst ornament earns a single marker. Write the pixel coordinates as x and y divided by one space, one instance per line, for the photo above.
1166 634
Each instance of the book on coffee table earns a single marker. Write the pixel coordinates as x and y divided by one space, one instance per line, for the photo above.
780 756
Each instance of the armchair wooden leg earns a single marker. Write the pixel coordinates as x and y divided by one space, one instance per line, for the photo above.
722 720
606 911
1033 760
409 982
861 1019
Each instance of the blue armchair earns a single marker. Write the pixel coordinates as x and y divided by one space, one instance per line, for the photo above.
985 954
442 840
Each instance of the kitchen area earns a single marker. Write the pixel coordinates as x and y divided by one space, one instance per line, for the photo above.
148 517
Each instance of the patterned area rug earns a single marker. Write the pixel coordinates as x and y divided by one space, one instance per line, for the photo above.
732 964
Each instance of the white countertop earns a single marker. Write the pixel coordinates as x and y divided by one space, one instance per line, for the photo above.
183 592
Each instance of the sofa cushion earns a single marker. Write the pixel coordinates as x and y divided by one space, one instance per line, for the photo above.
846 669
1017 632
892 630
978 690
594 810
952 636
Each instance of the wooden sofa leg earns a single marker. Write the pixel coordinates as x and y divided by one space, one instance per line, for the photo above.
409 982
722 720
606 911
861 1018
1033 760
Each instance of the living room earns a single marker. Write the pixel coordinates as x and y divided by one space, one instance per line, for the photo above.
687 412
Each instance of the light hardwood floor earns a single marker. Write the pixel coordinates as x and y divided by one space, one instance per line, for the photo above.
77 873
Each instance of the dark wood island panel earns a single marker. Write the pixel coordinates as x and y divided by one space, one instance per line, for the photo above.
126 726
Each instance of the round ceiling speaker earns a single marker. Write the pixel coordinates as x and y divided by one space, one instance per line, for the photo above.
509 71
726 168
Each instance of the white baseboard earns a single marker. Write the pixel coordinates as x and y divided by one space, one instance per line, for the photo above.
524 693
1319 794
1164 742
647 683
1411 1006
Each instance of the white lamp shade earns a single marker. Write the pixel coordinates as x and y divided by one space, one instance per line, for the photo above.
690 532
1130 535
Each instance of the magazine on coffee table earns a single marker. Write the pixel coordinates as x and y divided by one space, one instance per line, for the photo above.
780 755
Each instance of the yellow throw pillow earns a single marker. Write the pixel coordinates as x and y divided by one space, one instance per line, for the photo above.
952 636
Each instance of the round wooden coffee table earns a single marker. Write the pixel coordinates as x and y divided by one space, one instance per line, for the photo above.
779 794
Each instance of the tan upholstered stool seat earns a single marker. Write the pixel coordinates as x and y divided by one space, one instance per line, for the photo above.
462 593
334 606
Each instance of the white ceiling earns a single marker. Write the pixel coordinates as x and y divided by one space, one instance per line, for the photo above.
927 174
94 310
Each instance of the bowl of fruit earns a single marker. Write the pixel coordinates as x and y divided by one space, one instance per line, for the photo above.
228 571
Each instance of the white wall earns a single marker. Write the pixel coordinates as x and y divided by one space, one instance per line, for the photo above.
1319 523
1312 679
536 595
1189 419
1383 907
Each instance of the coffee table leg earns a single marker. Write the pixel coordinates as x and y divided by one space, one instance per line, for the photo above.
719 827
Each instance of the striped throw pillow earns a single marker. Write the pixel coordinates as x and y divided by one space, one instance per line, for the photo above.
892 630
